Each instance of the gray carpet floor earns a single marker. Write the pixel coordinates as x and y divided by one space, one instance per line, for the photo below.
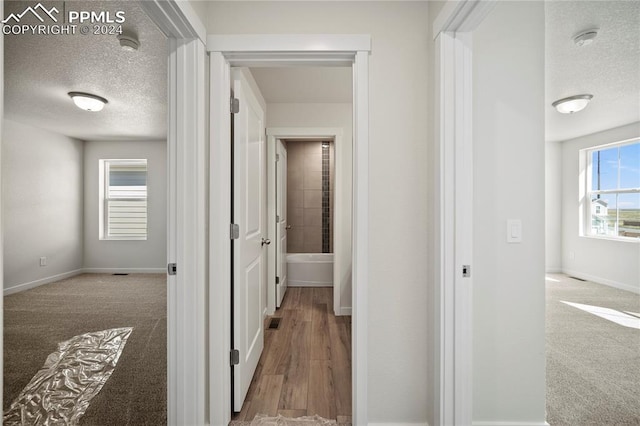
593 365
35 321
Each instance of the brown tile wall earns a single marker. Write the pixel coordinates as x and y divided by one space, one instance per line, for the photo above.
304 196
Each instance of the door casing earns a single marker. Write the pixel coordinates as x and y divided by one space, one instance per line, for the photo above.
282 50
453 225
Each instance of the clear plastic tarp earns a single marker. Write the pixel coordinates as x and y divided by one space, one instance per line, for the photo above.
60 392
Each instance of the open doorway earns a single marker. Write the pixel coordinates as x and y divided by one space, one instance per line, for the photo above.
304 365
82 252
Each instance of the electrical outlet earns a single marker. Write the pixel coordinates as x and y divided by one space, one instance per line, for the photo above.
43 261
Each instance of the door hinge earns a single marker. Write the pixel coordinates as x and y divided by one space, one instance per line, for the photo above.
235 357
277 218
235 105
466 271
172 268
277 280
277 157
234 231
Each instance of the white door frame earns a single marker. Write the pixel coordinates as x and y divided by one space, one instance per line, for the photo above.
187 206
186 225
302 133
452 33
282 50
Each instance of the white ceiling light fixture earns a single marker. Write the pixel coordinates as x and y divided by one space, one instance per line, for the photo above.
87 101
586 37
128 42
572 103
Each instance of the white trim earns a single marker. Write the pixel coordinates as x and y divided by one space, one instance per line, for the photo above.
175 18
553 270
219 330
334 134
344 311
186 222
269 43
123 270
219 246
42 281
603 281
360 259
454 194
503 423
398 424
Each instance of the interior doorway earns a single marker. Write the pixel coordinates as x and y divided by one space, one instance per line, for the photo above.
306 329
302 48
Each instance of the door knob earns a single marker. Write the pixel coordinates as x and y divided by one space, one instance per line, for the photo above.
265 241
287 227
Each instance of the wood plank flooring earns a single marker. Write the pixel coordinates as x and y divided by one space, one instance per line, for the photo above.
305 368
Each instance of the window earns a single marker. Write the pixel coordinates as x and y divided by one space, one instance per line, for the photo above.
613 190
123 199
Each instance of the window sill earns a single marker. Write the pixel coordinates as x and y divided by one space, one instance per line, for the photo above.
618 239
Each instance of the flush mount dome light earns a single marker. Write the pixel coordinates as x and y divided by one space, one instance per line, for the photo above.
87 101
586 37
572 104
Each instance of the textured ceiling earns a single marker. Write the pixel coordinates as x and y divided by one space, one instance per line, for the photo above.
305 84
41 69
609 68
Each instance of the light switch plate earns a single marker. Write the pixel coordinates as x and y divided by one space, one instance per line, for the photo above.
514 231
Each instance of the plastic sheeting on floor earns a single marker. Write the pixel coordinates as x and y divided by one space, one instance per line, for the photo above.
60 392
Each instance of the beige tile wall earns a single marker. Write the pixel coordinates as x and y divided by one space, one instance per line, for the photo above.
304 196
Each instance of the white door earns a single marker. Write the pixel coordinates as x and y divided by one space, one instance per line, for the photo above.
281 226
249 253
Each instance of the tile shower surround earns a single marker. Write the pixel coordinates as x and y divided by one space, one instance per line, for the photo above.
310 171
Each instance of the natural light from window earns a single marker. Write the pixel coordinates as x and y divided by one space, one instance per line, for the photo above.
123 199
613 189
612 315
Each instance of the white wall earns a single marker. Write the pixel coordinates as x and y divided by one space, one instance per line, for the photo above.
42 188
508 179
611 262
327 115
553 207
398 220
133 256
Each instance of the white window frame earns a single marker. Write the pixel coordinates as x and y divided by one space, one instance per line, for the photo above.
589 193
103 172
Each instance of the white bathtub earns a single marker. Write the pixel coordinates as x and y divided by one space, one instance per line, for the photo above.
310 269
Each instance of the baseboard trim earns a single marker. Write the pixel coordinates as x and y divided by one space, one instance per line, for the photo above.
124 271
501 423
399 424
42 281
603 281
48 280
344 312
557 270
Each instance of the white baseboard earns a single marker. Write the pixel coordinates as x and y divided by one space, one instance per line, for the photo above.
399 424
343 312
554 270
37 283
604 281
502 423
124 271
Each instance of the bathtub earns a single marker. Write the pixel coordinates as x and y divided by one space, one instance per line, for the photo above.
310 269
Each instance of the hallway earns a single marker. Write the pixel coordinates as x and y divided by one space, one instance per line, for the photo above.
305 368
